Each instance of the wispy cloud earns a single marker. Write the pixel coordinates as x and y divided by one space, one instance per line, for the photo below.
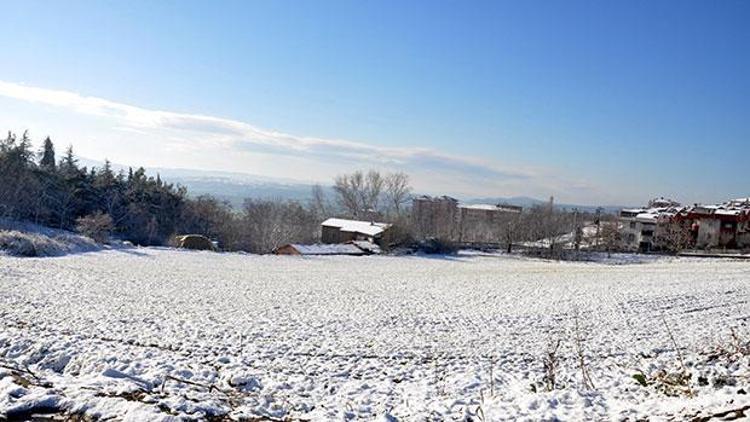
138 118
175 128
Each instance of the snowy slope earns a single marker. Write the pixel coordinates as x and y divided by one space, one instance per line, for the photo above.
369 337
27 239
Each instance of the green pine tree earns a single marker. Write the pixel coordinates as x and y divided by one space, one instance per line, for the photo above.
47 160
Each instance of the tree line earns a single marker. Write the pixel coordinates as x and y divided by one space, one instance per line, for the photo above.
36 186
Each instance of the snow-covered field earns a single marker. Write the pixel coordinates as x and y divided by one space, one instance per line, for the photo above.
144 334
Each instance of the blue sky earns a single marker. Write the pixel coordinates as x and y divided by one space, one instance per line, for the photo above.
593 102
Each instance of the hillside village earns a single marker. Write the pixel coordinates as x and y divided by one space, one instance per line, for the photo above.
663 225
665 222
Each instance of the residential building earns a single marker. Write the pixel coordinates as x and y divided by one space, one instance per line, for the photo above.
638 227
435 217
483 223
724 225
445 218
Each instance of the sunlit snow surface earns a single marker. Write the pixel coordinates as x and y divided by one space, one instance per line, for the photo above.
366 337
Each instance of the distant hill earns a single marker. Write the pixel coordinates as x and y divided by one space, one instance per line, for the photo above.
526 202
236 187
229 186
237 191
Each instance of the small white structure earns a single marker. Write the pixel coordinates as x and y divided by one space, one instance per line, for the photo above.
339 230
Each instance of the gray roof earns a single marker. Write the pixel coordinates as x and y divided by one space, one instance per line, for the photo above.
324 249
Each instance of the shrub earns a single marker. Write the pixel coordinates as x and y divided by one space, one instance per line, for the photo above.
17 244
96 226
437 246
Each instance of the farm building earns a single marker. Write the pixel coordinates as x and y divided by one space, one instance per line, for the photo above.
339 230
355 248
319 249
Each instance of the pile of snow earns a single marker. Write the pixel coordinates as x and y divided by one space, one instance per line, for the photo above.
160 334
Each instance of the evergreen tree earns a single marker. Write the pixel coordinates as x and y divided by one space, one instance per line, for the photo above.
142 209
24 149
47 155
69 163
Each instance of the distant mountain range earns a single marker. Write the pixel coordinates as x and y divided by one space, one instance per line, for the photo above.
235 187
526 202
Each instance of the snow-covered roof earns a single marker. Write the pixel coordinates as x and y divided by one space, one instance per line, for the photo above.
366 246
647 217
435 198
489 207
663 203
324 249
728 212
354 226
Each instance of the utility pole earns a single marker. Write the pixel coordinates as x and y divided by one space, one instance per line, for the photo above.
598 225
578 232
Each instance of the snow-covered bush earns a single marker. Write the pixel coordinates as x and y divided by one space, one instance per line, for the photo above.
17 243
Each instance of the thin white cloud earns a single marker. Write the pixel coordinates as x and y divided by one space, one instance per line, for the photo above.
138 118
190 129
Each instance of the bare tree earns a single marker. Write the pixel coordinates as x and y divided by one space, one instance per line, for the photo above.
609 235
269 224
673 235
348 188
319 203
397 191
548 225
372 191
367 195
511 230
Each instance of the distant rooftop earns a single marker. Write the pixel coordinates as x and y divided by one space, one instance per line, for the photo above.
325 249
356 226
490 207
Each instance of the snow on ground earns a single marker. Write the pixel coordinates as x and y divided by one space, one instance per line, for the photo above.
147 334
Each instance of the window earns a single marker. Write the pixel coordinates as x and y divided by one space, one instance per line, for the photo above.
632 224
